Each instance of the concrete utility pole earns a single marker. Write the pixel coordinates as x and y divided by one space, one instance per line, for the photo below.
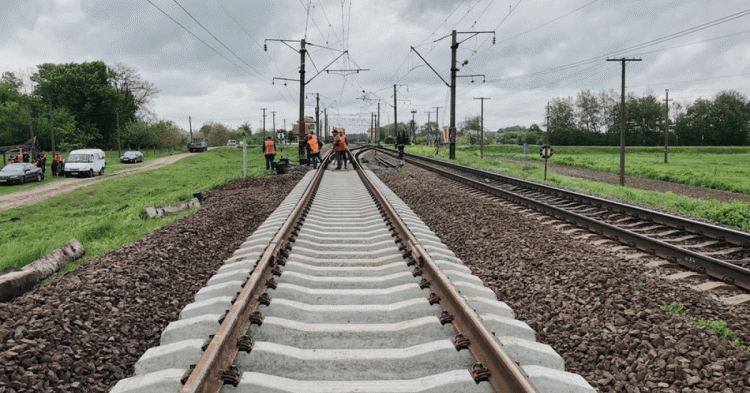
546 137
273 114
481 127
264 123
395 113
302 52
452 129
325 123
377 136
413 124
190 122
622 120
666 126
317 113
31 129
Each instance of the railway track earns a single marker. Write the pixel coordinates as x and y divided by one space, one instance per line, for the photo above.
344 289
721 253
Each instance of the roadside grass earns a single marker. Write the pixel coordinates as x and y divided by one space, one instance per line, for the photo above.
716 167
113 166
720 327
106 215
736 213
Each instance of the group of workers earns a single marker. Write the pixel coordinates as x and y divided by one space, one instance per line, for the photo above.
39 161
312 147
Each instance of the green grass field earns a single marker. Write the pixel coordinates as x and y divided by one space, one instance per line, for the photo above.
106 215
113 166
735 213
719 168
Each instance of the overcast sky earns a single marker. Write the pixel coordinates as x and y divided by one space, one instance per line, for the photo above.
543 49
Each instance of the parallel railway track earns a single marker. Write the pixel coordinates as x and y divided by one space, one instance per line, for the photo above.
719 252
344 289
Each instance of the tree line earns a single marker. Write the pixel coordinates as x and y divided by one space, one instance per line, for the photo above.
591 119
82 105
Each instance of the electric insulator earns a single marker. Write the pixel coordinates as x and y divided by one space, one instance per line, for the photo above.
493 40
265 47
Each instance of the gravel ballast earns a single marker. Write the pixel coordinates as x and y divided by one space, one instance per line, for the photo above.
85 330
581 299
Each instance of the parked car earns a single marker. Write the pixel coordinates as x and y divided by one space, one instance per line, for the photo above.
131 156
85 162
20 173
232 143
197 144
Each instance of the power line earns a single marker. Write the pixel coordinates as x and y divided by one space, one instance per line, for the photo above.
197 38
217 40
646 44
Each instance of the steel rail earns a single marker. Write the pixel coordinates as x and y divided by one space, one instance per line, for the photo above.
208 375
727 272
728 235
505 375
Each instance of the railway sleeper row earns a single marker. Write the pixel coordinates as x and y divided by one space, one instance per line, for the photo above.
347 313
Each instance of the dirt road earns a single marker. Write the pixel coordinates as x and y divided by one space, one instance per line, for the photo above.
38 194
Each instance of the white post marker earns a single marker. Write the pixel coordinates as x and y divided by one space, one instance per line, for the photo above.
546 152
244 155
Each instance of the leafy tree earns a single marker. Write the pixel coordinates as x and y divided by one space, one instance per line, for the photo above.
217 134
588 111
87 92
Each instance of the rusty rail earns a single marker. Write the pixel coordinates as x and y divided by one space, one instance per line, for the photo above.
727 272
505 375
213 368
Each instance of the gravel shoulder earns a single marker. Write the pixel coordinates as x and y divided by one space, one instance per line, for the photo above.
581 298
38 194
86 329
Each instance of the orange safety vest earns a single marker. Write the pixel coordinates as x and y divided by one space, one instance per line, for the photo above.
313 142
342 146
20 157
269 148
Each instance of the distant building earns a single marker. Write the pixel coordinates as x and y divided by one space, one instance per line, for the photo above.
309 126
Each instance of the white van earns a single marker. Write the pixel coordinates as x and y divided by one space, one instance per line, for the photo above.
85 162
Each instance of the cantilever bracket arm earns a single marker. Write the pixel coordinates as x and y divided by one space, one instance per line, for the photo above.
428 64
324 68
284 79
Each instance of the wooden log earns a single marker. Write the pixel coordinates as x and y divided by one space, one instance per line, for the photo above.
18 282
173 208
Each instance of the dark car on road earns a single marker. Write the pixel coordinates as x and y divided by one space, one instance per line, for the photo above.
131 157
197 144
20 173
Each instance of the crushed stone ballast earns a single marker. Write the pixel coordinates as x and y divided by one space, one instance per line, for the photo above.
347 313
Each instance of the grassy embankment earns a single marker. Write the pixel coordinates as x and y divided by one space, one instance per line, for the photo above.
720 168
106 215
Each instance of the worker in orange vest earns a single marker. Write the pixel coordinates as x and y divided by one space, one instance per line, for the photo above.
313 149
343 137
20 156
307 139
269 150
339 148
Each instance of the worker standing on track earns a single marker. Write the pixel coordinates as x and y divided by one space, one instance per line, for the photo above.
339 148
313 149
343 154
310 134
269 150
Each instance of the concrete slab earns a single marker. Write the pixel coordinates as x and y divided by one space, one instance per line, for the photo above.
348 296
502 326
165 381
351 365
526 352
229 288
547 380
351 335
179 355
447 382
343 282
350 313
214 305
196 328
